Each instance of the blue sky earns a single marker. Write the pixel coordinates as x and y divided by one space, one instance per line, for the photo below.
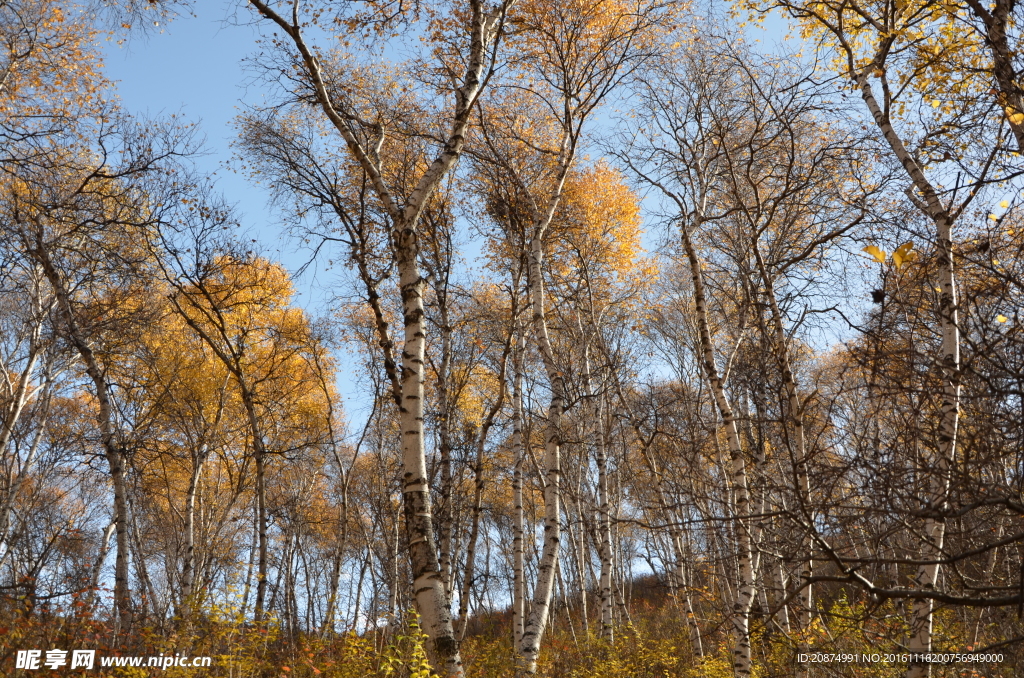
193 66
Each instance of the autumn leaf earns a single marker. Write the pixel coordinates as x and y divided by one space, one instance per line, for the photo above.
878 254
904 254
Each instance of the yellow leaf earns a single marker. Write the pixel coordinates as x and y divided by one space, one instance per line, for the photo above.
1004 204
1001 318
878 254
935 104
903 254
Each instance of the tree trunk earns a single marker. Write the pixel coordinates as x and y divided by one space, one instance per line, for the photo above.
429 593
604 530
798 448
683 579
101 556
249 566
261 537
920 640
18 476
519 516
188 567
996 19
111 437
538 618
744 598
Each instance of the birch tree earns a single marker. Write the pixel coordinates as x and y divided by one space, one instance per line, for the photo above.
461 76
575 55
688 179
882 43
721 145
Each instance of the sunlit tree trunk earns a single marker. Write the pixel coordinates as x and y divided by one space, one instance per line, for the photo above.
188 567
483 25
996 18
111 438
683 580
745 588
799 450
537 621
428 583
19 470
101 557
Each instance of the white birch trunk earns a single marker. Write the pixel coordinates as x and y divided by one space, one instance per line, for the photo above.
799 443
188 567
920 640
745 589
538 618
429 592
428 589
604 532
260 456
101 556
111 437
780 586
519 520
20 470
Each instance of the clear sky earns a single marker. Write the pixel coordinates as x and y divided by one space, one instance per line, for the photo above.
193 66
